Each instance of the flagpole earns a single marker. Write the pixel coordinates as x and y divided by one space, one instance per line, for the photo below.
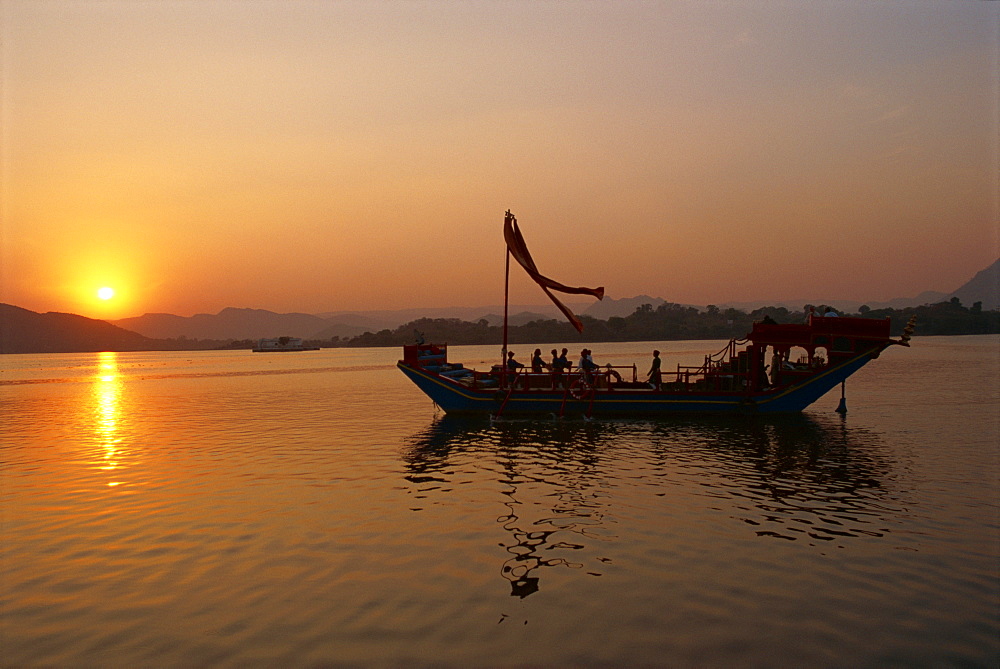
506 289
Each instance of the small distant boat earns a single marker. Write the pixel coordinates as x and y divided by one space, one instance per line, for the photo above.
282 344
776 368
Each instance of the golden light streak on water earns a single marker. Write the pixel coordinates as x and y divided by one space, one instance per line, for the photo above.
107 395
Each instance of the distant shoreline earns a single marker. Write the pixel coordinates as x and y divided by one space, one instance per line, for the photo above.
23 331
582 340
668 323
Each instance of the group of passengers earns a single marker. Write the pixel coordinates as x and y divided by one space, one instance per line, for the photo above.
561 365
827 313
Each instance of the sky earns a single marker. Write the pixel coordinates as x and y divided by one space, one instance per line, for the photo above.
336 155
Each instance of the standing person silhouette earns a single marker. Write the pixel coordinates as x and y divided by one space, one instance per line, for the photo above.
559 366
556 370
654 371
587 366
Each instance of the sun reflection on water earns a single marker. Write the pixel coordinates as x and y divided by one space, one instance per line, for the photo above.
107 410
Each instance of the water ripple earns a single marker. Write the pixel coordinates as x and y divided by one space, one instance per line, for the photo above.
225 510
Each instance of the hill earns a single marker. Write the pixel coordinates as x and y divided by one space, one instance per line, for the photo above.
241 324
608 307
984 287
230 323
24 331
373 321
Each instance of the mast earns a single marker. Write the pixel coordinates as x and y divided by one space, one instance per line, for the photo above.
506 291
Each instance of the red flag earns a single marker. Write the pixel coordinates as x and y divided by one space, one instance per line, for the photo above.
518 249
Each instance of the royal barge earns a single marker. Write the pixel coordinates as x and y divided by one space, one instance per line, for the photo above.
776 368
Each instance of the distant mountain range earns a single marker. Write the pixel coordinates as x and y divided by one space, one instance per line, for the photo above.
24 331
984 287
608 307
232 323
850 306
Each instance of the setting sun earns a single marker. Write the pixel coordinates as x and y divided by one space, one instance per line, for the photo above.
106 293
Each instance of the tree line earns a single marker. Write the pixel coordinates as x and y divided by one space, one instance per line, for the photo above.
665 323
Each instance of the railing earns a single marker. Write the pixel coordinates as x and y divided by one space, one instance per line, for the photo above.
728 370
603 378
608 378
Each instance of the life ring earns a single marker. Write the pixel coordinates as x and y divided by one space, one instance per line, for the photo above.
580 392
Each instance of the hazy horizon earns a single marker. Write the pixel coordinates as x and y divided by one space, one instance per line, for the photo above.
546 306
351 156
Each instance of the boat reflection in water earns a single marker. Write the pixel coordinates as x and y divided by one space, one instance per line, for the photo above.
576 492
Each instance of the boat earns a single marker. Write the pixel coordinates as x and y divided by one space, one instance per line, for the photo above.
279 344
777 368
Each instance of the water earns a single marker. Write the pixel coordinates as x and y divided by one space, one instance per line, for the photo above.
184 509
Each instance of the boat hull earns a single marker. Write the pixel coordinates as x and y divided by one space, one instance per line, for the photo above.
455 398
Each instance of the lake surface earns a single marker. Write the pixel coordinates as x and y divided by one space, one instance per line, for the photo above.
183 509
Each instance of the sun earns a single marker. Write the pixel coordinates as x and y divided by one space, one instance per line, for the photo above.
106 293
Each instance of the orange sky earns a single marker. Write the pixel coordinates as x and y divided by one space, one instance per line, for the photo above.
322 156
